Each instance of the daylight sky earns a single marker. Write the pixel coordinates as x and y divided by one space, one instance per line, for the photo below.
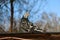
51 6
43 6
47 6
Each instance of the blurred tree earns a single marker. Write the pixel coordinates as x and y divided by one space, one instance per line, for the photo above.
23 5
48 22
1 19
28 6
4 16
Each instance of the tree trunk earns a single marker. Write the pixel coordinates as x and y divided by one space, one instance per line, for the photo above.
12 11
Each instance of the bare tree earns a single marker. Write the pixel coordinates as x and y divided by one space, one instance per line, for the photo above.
50 22
4 16
23 5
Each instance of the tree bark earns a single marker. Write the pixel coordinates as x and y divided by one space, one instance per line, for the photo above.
12 12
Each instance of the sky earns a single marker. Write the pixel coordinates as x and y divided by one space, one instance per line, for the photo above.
48 6
40 5
51 6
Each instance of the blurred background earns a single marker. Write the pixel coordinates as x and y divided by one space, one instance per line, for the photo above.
43 14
